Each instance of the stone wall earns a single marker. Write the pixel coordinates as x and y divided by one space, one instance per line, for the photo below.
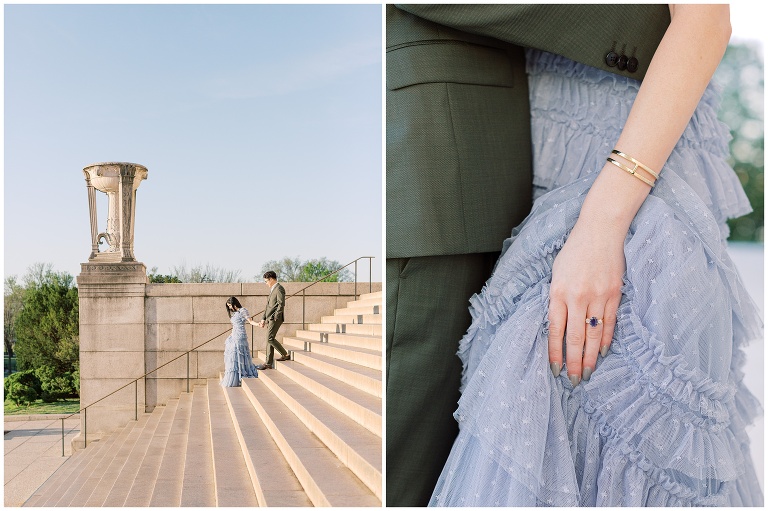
129 327
180 317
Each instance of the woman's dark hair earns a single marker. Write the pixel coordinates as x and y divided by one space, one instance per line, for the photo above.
235 303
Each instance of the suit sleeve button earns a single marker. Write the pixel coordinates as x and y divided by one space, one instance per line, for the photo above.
622 62
611 58
632 64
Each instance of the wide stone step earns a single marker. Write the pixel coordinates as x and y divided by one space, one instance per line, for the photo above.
360 319
357 310
345 328
107 472
366 296
198 489
167 490
371 342
367 302
325 479
140 494
233 482
363 378
130 469
361 356
75 461
273 481
356 404
356 447
52 490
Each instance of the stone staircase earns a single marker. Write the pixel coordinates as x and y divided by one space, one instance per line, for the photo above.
307 433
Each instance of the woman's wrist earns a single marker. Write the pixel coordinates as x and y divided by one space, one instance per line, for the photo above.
614 200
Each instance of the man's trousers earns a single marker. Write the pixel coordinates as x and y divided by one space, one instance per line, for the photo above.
272 343
427 315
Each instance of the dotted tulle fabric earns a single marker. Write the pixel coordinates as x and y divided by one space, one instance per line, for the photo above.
237 355
661 422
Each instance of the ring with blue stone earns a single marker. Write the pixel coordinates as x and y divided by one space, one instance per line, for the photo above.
594 321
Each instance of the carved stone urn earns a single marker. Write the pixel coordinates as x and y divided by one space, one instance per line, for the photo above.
119 181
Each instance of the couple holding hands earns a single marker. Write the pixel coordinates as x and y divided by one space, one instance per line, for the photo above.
237 355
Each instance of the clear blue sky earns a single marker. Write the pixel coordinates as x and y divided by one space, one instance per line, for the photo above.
260 126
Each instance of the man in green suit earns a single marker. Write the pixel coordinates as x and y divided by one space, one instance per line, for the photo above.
272 319
458 180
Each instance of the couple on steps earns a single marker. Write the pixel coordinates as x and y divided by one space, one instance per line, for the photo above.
237 357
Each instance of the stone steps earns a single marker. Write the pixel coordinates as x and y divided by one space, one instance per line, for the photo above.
364 378
307 433
357 319
346 328
197 489
355 446
362 356
357 310
108 469
325 479
362 407
232 479
170 477
274 482
371 342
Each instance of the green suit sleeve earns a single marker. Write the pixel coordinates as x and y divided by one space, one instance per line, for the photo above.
581 32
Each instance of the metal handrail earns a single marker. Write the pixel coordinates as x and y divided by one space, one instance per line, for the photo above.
136 381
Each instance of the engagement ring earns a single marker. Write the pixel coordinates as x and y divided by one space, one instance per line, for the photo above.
593 321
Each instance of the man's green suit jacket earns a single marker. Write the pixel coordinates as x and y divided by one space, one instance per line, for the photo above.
458 119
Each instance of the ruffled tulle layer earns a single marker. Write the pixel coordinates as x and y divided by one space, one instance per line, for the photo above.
237 363
661 422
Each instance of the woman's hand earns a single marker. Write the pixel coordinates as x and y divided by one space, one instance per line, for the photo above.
586 282
587 274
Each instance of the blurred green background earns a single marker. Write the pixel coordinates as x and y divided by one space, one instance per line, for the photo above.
741 76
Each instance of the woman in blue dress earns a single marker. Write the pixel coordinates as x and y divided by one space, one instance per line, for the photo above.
237 355
603 365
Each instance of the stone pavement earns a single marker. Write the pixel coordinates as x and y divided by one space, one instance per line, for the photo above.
32 446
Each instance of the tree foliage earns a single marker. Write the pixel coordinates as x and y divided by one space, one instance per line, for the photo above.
741 76
290 269
47 327
156 278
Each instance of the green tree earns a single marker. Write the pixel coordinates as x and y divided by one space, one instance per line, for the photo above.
46 327
290 269
741 76
156 278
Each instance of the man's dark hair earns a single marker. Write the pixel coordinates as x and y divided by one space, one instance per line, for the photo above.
270 275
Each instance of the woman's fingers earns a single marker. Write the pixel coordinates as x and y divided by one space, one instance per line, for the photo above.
557 320
595 326
574 342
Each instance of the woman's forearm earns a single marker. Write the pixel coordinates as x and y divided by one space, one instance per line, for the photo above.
678 74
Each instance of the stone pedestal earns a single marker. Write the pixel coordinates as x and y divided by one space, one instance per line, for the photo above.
111 345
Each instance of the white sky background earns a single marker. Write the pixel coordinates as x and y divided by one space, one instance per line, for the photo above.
260 126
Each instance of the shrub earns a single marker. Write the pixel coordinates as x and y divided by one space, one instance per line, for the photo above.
22 388
54 386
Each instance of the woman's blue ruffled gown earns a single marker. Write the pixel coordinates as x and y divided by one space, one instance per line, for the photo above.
237 355
661 422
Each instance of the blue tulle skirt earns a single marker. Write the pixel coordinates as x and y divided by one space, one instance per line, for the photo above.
661 422
237 361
